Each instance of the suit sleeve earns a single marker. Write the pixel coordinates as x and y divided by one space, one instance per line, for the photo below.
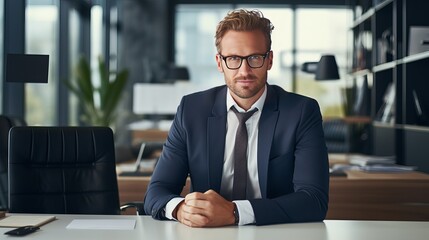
165 183
309 200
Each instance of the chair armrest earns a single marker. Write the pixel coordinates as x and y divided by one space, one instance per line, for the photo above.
137 205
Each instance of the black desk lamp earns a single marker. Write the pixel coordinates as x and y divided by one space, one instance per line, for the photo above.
325 69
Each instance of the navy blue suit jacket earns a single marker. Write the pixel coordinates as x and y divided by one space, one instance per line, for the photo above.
292 156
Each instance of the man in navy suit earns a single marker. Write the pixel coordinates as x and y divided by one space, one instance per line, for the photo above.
287 175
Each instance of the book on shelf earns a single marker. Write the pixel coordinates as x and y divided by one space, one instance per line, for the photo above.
386 113
422 117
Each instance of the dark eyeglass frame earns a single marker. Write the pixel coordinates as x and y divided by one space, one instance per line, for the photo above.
264 56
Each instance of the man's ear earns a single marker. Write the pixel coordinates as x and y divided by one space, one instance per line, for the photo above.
219 63
270 60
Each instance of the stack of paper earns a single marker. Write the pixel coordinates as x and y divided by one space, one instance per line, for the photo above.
388 168
102 224
369 163
363 160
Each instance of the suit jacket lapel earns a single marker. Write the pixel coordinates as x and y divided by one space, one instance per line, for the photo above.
216 132
267 124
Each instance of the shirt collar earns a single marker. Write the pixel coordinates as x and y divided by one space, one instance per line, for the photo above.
259 104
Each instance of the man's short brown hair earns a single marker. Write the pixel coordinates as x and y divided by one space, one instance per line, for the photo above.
244 20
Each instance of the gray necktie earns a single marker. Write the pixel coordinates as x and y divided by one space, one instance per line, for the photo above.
240 155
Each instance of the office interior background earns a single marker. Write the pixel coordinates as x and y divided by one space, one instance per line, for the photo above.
148 38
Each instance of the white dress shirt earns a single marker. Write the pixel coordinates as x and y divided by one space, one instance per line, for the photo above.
244 207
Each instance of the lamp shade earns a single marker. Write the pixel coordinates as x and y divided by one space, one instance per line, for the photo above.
327 69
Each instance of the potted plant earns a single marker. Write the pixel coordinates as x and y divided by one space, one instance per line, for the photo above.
98 102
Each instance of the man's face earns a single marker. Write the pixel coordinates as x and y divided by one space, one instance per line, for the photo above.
245 83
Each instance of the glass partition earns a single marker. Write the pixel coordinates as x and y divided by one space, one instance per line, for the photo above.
41 21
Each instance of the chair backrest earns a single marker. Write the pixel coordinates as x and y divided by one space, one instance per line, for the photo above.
63 170
6 123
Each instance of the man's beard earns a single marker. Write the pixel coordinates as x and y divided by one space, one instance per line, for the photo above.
245 92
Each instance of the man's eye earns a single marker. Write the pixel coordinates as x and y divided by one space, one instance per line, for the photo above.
233 58
254 57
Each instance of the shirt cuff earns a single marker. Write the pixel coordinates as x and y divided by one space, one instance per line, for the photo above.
171 205
245 211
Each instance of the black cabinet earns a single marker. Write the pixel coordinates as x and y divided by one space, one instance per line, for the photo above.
391 51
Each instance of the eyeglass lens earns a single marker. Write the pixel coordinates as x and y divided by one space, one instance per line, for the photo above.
254 61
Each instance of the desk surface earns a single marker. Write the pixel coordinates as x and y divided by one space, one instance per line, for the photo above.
147 228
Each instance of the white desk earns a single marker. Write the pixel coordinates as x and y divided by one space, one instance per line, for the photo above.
147 228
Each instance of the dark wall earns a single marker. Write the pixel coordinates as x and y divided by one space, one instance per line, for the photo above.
144 36
143 48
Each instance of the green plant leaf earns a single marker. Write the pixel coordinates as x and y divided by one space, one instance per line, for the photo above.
110 91
84 82
114 92
104 81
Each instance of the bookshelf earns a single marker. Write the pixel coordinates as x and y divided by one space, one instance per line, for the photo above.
384 51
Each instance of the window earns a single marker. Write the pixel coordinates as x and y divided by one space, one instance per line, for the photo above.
322 31
96 41
74 26
318 31
195 43
41 38
282 44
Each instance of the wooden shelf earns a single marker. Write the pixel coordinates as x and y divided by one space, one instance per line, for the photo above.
364 17
383 4
360 73
384 66
416 57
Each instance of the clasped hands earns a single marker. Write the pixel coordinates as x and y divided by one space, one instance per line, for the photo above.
208 209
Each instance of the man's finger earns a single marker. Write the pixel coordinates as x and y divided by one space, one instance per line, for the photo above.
197 220
210 191
192 218
195 196
197 203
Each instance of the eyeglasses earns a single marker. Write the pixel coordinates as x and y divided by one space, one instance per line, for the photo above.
254 61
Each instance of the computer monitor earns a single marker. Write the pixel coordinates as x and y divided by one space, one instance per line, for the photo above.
27 68
419 39
152 98
162 98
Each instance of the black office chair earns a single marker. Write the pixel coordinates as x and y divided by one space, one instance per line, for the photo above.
63 170
6 123
337 136
346 137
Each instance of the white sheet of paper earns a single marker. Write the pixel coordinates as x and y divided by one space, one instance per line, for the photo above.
104 224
